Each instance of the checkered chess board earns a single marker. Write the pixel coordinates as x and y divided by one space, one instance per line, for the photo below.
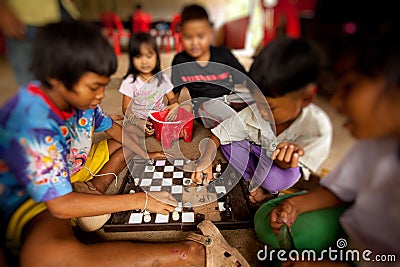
221 201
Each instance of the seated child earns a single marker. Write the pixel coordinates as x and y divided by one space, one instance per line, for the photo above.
285 71
367 180
194 67
45 144
144 86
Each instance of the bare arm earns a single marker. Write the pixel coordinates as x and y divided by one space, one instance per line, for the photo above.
131 141
206 160
10 25
125 103
81 204
289 209
172 98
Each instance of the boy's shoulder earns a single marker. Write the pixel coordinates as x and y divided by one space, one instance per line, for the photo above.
182 57
25 98
315 117
220 54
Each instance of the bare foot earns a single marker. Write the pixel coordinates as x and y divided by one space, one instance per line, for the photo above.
257 195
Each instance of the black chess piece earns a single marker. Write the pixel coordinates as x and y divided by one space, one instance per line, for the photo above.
227 206
211 187
200 217
228 214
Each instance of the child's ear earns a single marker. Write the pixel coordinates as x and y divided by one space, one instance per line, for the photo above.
309 94
54 83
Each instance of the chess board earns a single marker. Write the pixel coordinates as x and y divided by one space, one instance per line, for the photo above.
221 201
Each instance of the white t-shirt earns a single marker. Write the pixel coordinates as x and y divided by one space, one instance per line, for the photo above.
312 130
369 176
146 96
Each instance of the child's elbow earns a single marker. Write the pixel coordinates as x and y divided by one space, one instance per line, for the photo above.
58 210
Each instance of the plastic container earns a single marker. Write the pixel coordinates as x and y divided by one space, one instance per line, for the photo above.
169 131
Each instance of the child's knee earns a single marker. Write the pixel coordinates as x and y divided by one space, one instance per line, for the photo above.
279 179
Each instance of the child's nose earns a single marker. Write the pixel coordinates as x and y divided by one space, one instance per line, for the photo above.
101 94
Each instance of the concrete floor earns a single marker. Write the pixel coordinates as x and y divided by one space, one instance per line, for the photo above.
243 239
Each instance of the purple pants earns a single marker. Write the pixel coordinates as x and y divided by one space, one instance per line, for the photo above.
253 163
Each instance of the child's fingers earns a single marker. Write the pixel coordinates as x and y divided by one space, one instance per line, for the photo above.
196 177
275 153
209 173
289 153
295 160
281 155
167 155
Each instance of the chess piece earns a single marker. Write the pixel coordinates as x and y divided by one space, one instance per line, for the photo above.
228 214
146 216
218 168
200 217
175 215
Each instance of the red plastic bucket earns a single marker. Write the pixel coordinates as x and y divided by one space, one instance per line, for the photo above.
169 131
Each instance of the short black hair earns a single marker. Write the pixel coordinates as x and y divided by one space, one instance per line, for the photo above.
135 43
193 12
373 51
285 65
67 50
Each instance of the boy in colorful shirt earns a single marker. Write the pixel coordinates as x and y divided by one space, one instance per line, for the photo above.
45 133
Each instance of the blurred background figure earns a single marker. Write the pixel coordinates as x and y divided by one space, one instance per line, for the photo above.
141 21
19 21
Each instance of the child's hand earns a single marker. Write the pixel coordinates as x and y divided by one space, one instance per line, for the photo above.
159 155
161 202
173 112
201 169
116 117
286 155
148 129
284 213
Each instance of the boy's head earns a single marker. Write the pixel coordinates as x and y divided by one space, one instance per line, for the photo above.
74 62
197 32
285 71
368 70
65 51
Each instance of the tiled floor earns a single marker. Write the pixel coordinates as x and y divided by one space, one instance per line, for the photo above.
244 240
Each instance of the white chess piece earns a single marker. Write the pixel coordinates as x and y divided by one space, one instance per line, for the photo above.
218 168
175 215
146 216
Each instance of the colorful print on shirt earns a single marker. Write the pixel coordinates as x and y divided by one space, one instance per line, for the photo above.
42 146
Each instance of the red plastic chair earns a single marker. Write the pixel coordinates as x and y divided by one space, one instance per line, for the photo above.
113 29
286 10
176 32
141 22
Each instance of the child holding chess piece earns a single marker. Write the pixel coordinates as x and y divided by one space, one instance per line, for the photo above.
285 72
145 85
45 131
365 185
